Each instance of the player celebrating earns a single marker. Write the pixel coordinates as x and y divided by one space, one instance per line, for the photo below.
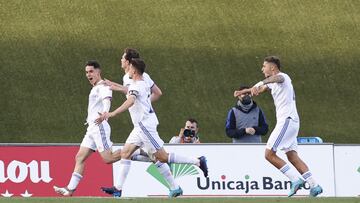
130 53
97 137
145 133
284 135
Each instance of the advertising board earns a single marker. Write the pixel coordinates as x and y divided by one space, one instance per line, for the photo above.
32 171
234 170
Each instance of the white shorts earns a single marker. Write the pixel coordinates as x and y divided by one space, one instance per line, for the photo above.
284 136
97 137
147 138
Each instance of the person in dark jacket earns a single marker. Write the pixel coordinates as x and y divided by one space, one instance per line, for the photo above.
245 121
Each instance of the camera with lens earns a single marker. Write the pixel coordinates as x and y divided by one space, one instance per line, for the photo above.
189 133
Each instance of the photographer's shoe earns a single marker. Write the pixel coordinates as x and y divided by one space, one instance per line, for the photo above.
203 166
175 193
295 186
111 191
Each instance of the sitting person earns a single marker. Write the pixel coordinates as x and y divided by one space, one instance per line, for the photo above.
246 122
188 134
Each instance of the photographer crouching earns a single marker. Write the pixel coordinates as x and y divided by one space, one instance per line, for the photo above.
188 134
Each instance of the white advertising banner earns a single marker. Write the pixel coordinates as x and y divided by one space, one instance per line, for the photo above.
234 170
347 169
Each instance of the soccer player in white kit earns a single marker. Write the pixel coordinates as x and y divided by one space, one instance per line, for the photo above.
130 53
284 135
145 133
97 137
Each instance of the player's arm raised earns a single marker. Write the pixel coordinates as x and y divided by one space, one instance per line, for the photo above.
240 92
274 79
116 86
258 88
119 88
261 86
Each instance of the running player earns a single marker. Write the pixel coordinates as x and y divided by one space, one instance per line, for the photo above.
131 53
97 137
283 137
145 133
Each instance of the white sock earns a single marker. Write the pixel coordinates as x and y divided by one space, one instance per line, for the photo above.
309 179
174 158
124 171
74 181
164 170
289 172
139 157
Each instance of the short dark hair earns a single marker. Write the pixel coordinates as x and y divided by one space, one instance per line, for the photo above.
193 120
131 53
93 63
273 59
138 64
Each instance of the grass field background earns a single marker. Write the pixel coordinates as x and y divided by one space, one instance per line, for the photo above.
188 200
198 52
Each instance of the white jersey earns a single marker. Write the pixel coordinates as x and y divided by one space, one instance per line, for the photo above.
97 94
146 77
141 110
284 99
